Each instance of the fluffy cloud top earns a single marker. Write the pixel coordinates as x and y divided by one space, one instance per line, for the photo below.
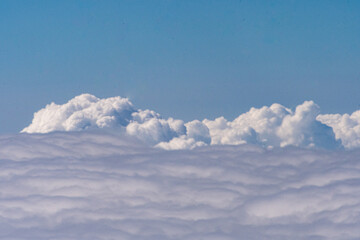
82 112
274 126
105 185
346 127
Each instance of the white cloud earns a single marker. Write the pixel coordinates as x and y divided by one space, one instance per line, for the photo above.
109 182
102 184
82 112
86 112
274 126
180 143
346 127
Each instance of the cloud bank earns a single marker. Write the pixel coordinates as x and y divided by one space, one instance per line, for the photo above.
264 175
106 185
273 126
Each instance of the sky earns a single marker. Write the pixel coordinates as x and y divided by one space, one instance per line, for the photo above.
185 59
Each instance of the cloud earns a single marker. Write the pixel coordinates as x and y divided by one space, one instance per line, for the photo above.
96 169
274 126
86 112
100 184
82 112
346 127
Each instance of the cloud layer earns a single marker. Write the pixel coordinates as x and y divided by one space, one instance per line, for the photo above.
245 177
105 185
274 126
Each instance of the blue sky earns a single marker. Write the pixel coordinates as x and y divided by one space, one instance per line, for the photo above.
185 59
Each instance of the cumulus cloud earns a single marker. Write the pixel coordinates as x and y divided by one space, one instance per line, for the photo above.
87 112
82 112
100 184
346 127
274 126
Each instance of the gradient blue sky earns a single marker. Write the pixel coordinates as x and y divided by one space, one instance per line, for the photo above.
185 59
